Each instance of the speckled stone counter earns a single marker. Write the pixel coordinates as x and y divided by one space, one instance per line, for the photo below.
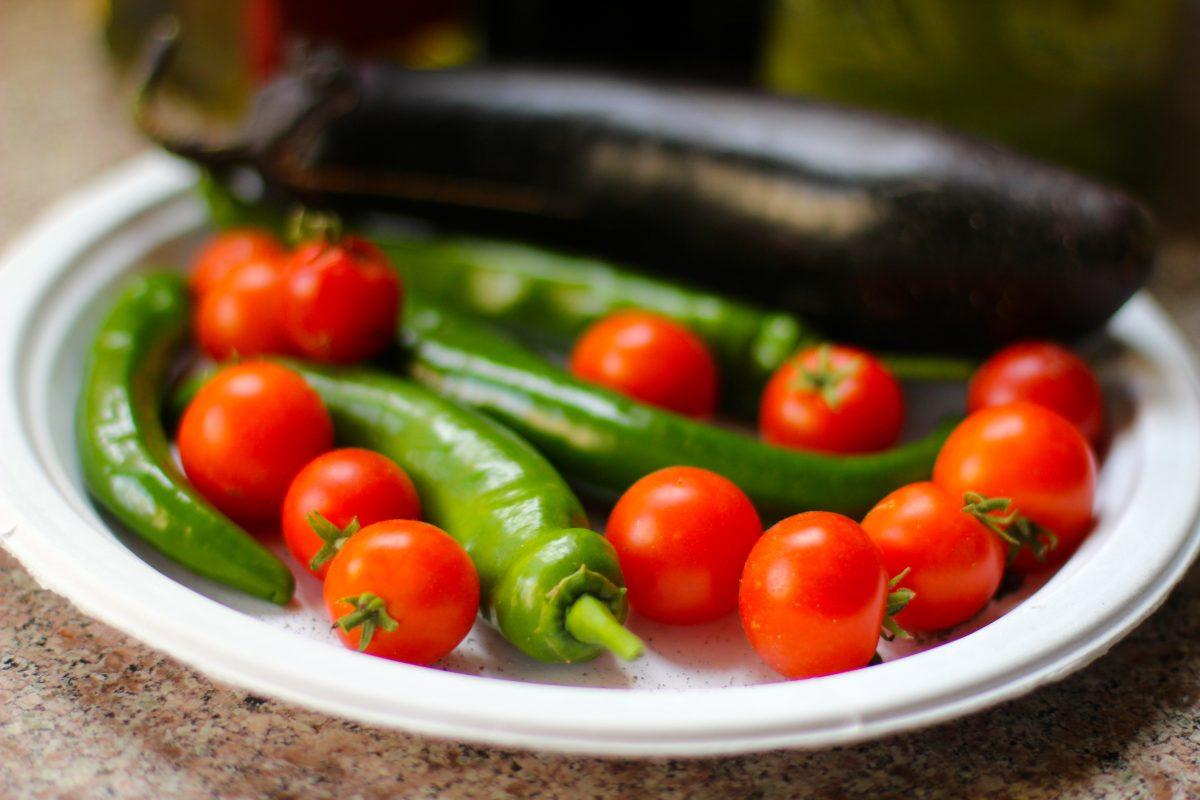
87 712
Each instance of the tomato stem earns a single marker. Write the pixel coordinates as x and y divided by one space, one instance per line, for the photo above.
307 225
370 611
825 378
1012 527
592 621
331 535
897 599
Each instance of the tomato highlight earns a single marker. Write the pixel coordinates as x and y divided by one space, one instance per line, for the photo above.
682 535
404 590
341 300
338 493
649 358
814 595
1046 374
834 399
247 433
1034 476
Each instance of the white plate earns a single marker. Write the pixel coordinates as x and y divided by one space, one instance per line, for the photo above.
701 691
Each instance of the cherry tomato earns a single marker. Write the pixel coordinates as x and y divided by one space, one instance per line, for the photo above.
649 358
247 433
241 314
230 249
681 536
813 595
832 398
336 494
1044 373
954 562
341 301
404 590
1033 457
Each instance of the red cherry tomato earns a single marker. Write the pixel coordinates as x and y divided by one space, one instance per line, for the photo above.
681 536
813 595
832 398
341 301
241 314
1044 373
230 249
403 590
1033 457
649 358
336 494
247 433
954 562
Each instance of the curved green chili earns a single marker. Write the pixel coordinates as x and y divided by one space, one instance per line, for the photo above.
607 441
125 456
549 298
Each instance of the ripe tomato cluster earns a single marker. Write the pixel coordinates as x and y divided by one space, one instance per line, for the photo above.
258 442
333 301
1012 488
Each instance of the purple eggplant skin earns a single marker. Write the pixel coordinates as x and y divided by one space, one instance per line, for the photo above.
876 230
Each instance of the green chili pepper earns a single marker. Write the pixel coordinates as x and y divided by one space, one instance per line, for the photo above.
123 449
552 587
549 298
607 441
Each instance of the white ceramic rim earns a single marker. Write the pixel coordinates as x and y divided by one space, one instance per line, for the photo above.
1049 635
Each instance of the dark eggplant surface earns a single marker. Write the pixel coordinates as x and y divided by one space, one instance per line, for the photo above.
877 230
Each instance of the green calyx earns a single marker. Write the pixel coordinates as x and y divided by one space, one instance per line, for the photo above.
825 378
897 599
1000 517
331 535
307 225
581 614
370 612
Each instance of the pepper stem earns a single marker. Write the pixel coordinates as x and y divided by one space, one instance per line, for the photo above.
591 621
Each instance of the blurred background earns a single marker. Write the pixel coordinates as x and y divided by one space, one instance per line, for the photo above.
1106 86
1088 83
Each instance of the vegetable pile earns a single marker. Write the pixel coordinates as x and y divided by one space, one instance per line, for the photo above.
412 442
414 413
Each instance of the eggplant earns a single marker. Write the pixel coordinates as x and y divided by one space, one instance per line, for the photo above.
878 230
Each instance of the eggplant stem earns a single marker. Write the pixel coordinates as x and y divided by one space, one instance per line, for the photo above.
160 51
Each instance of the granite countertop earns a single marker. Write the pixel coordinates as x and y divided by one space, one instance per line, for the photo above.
85 711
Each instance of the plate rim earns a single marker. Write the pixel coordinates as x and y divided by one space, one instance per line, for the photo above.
146 182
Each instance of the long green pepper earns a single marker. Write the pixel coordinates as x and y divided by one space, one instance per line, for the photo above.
607 441
123 448
549 298
551 586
